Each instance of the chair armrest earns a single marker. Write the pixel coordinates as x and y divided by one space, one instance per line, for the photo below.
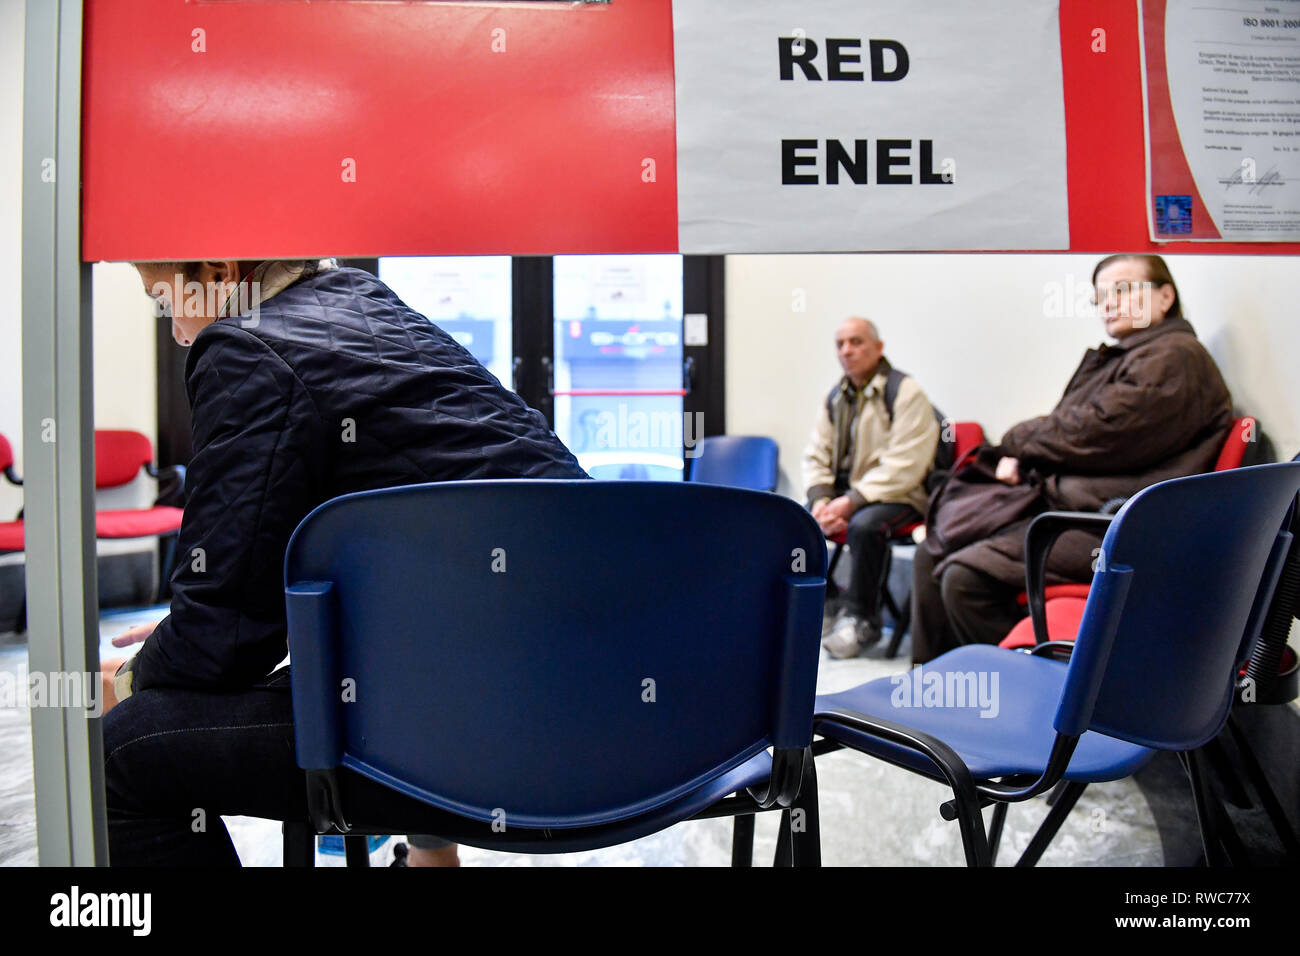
12 476
1057 650
949 762
1039 539
945 759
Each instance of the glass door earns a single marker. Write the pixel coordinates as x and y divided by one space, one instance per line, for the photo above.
618 364
468 297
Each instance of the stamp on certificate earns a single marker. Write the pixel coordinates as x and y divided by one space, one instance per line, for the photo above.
1173 215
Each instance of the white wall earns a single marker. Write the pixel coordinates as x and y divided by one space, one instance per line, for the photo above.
125 368
984 335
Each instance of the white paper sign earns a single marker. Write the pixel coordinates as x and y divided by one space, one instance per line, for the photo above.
850 126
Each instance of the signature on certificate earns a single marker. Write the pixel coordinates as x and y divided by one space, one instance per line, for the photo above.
1254 184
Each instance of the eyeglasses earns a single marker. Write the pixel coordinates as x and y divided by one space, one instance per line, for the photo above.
1103 293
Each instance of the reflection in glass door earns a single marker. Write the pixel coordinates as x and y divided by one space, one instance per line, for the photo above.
468 297
618 364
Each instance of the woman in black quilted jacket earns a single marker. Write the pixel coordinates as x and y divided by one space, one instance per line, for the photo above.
306 381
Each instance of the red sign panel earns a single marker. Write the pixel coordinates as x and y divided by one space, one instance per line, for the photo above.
246 129
242 129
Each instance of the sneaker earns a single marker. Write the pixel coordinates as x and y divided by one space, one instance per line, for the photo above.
850 636
843 640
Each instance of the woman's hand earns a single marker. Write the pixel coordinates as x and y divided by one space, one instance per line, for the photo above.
1008 471
134 635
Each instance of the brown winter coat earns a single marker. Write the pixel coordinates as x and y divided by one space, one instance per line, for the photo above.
1150 408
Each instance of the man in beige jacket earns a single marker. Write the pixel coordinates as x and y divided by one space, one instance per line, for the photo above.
864 470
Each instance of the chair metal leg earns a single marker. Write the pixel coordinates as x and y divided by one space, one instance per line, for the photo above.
784 851
805 835
902 621
902 613
299 843
832 589
1216 830
356 849
1272 806
1066 798
973 838
1057 792
742 840
995 830
1217 762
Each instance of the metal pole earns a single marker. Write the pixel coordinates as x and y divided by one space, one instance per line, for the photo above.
58 435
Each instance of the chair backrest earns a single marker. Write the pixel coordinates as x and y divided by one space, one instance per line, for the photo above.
741 461
119 455
569 652
6 453
1234 448
1183 578
966 435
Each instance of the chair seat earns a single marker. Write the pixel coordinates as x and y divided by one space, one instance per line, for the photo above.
138 522
416 816
1063 618
11 536
1057 591
1015 738
899 534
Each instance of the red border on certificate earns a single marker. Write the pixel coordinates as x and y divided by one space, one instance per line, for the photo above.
1169 178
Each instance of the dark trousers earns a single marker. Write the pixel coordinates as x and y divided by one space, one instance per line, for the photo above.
869 532
962 606
176 760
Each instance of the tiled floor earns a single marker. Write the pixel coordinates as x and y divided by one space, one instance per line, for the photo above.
871 814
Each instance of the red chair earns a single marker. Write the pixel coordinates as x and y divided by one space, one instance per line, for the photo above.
1065 601
11 532
119 456
967 436
1239 439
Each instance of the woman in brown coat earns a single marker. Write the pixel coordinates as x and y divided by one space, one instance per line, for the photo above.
1151 407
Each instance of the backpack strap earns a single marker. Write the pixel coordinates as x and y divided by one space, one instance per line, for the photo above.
893 381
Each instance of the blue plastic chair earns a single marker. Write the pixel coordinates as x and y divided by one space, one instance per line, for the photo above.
1186 571
506 673
741 461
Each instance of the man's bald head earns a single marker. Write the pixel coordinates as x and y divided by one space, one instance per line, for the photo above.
864 326
858 345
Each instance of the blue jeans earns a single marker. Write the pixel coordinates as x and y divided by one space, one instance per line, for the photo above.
176 760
